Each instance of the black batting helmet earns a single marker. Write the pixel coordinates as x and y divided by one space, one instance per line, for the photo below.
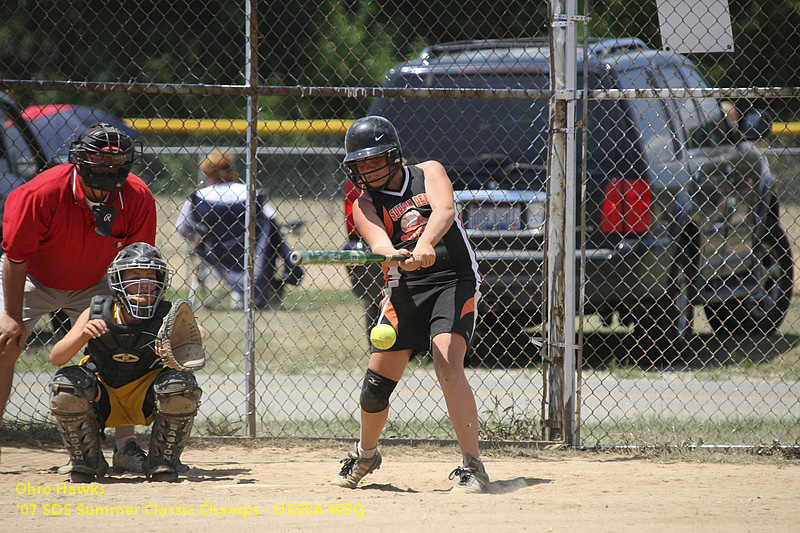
366 138
106 173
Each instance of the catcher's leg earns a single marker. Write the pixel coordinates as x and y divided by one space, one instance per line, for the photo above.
73 390
177 397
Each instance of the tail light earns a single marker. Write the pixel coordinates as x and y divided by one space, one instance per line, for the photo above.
626 207
351 193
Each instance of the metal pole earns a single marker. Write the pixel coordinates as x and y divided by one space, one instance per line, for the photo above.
582 278
555 233
560 349
569 225
251 69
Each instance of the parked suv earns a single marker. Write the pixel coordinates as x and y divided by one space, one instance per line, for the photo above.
681 207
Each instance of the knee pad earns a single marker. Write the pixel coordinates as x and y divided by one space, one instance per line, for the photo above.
375 392
73 390
176 393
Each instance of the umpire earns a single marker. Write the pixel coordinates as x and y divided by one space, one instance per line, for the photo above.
62 229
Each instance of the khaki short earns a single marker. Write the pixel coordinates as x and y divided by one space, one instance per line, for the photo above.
40 300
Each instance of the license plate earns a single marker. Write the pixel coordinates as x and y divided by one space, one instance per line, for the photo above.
494 217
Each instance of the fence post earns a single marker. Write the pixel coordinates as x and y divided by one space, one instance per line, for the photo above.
251 69
560 334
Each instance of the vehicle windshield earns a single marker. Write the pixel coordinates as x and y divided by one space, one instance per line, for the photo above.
497 139
455 131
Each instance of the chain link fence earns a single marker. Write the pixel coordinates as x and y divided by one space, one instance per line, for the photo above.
686 218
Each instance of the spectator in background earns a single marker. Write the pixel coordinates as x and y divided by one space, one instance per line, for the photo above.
213 220
61 230
732 115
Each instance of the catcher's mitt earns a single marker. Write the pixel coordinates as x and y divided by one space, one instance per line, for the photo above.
178 342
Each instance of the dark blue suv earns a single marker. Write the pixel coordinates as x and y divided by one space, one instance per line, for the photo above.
681 206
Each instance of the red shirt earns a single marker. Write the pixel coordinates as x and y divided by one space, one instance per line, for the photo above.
47 222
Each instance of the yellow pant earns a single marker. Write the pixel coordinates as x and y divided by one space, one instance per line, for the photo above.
126 402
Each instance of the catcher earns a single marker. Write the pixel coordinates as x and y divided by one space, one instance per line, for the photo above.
137 370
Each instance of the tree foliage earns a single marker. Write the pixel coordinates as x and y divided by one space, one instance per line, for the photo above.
329 42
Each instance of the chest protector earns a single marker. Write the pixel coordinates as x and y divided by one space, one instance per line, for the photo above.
124 353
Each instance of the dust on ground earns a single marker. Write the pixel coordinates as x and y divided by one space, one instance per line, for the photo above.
285 486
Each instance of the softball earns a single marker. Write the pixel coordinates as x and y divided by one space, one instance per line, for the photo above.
383 336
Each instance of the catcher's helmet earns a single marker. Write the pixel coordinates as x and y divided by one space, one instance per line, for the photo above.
104 155
366 138
139 296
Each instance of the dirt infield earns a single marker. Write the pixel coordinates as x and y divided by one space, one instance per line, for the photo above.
285 486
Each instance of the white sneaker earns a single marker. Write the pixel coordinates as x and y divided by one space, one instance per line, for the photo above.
355 467
472 476
130 458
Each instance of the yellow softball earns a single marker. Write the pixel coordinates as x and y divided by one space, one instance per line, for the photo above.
383 336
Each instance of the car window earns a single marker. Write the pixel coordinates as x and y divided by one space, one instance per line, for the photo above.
455 131
15 146
650 117
691 119
609 150
710 112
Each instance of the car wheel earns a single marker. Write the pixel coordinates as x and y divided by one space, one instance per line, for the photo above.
664 329
765 308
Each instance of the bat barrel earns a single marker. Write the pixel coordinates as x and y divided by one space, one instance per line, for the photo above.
339 257
328 257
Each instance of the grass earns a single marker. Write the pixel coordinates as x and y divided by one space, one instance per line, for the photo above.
218 427
298 339
34 433
689 454
674 432
318 428
508 424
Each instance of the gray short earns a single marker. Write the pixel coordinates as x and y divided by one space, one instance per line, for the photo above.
40 300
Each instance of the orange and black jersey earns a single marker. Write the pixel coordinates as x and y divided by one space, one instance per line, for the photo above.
405 215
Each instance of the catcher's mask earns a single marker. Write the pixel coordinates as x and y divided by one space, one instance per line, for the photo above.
104 156
140 294
371 138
